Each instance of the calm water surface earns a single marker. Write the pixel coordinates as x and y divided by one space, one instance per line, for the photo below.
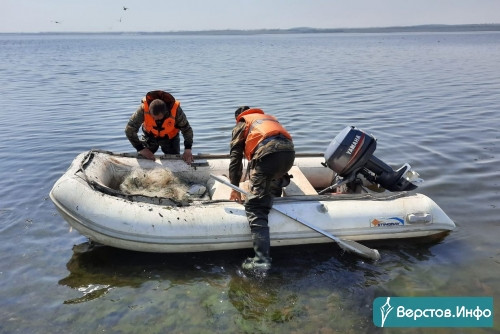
432 100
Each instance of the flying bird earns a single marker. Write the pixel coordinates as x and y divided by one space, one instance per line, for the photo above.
125 8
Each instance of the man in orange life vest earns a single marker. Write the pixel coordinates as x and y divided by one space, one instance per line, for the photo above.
270 152
161 117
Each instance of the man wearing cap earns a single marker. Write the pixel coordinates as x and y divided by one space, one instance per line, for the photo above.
161 118
270 152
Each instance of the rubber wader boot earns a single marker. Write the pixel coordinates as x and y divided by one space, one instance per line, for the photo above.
261 246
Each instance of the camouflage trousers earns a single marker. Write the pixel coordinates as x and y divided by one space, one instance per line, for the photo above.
168 146
267 177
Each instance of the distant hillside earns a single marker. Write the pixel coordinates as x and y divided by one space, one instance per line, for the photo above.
420 28
307 30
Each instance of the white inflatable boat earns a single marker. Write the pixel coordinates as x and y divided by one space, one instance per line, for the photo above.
199 217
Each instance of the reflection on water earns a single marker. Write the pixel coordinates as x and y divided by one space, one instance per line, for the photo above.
92 273
305 282
96 266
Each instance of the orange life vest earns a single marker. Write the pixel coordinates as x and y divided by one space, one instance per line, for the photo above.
168 126
259 126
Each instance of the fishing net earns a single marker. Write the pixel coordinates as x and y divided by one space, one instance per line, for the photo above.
157 182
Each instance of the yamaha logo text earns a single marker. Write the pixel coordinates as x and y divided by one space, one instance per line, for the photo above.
354 144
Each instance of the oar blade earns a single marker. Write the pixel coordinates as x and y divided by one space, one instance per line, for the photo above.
356 247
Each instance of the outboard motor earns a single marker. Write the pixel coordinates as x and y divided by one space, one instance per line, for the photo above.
351 153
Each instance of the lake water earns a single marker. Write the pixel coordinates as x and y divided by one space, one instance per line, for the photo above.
430 99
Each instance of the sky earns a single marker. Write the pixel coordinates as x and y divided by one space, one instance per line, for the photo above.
193 15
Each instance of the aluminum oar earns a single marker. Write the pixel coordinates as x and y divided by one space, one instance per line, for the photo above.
347 245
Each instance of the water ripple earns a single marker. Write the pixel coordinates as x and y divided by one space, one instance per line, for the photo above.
430 99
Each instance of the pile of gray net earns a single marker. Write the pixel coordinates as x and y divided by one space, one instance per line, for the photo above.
156 182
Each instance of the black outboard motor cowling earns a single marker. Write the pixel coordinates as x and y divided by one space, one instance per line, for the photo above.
351 153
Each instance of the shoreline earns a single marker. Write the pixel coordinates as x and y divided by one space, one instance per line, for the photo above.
300 30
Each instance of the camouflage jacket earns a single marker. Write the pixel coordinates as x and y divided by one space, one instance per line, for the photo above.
137 119
237 148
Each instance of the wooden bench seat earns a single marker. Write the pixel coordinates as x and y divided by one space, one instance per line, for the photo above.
299 184
219 190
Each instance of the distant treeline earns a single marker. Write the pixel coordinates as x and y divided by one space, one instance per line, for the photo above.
306 30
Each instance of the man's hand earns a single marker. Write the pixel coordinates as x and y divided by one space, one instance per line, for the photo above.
188 156
146 153
235 196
